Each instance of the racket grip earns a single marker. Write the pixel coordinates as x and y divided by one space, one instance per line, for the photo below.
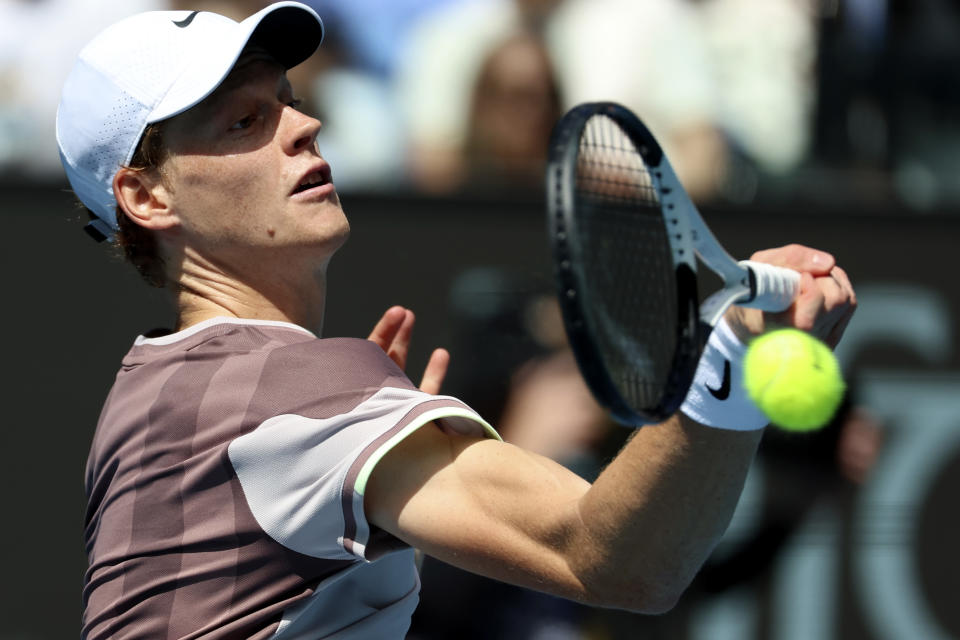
776 287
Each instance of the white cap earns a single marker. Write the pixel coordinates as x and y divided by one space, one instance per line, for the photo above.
150 67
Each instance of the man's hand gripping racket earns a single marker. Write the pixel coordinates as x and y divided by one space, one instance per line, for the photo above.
626 239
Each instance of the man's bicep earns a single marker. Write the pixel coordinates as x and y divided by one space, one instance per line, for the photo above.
482 505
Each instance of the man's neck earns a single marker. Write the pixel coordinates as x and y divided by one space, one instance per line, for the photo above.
256 285
201 298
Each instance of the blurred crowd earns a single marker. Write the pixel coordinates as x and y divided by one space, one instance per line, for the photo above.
442 96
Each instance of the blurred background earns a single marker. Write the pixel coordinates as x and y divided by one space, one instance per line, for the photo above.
833 123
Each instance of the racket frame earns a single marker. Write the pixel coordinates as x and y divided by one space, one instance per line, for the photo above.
689 237
560 181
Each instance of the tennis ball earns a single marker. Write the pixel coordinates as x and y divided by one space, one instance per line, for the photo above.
794 379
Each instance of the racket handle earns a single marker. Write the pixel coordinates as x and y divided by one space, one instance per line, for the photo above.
775 287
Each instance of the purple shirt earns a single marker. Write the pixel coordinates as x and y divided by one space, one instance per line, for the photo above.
225 487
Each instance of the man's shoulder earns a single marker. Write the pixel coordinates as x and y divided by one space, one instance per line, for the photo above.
333 364
217 335
275 366
288 354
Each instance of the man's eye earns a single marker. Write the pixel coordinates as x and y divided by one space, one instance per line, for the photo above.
245 123
295 103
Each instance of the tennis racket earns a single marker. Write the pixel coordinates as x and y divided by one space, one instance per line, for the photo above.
625 241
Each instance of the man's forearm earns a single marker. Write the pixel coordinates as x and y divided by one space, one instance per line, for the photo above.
656 512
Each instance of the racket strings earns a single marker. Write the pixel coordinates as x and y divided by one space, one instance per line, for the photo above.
610 168
625 255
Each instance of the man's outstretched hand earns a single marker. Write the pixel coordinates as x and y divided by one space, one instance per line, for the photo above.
393 334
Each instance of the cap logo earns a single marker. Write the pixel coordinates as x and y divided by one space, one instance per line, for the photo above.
183 24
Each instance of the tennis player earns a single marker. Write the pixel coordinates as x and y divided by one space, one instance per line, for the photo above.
248 479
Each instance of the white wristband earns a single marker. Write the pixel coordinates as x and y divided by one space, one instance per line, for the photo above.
717 397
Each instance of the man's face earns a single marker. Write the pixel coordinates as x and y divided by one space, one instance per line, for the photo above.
246 180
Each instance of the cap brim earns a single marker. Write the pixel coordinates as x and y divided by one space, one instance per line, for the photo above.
290 31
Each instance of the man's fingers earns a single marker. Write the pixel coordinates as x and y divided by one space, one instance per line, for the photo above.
386 328
798 258
843 303
824 306
843 280
401 341
393 333
435 371
808 304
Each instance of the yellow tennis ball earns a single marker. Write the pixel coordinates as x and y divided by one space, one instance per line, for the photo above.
794 379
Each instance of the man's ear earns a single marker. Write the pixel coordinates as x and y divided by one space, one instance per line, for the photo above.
144 199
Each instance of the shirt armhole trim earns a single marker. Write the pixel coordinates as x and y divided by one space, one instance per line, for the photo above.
360 484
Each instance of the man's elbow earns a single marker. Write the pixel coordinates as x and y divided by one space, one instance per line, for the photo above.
637 597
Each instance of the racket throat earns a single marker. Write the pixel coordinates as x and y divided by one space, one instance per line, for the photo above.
716 304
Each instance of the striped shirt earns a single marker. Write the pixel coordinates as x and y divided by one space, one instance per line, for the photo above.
225 487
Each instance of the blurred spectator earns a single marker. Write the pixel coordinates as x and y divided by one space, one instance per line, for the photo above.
39 40
468 66
763 60
652 57
515 105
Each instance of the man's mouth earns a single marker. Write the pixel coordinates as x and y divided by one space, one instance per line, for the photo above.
312 180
